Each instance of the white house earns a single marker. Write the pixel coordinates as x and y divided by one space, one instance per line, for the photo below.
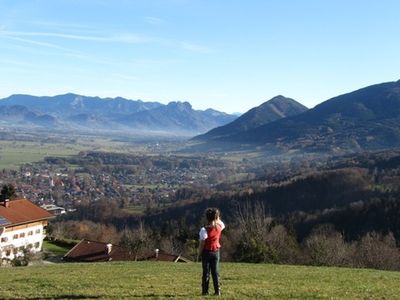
22 226
54 209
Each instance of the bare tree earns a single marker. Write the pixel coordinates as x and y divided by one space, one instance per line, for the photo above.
378 251
326 247
136 241
253 225
253 220
283 245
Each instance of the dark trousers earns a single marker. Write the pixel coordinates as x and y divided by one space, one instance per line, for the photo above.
210 263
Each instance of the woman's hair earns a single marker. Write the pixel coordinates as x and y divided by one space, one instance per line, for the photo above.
212 215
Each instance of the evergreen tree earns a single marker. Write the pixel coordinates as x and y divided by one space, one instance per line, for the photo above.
8 192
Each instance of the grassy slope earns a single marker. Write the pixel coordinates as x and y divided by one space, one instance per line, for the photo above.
156 280
55 248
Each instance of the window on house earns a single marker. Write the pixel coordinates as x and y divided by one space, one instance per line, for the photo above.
37 244
30 232
8 252
15 236
37 231
21 248
15 250
30 246
4 239
22 234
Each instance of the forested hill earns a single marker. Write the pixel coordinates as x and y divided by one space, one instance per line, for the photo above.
283 211
366 119
357 194
277 108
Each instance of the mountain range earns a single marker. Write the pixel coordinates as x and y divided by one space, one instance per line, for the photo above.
72 111
366 119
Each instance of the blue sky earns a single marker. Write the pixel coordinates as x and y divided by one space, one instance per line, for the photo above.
230 55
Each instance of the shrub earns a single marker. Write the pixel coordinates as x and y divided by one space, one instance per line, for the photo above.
252 250
326 247
375 250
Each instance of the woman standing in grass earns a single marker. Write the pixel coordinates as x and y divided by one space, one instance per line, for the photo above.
209 247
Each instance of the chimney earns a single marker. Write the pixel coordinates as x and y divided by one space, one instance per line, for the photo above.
109 248
157 251
6 203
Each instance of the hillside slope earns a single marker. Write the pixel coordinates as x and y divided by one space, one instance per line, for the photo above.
20 115
332 193
366 119
155 280
277 108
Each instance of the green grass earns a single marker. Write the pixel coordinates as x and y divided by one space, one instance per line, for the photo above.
135 209
156 280
54 248
14 154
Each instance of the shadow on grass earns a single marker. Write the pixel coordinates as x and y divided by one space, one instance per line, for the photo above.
163 295
64 297
109 297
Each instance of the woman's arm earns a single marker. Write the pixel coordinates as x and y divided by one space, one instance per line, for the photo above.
202 239
220 223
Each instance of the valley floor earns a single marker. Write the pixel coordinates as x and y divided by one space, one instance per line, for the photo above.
157 280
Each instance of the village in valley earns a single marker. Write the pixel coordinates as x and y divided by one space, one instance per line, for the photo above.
130 180
136 184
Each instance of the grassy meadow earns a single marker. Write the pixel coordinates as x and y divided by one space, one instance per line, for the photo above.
55 249
161 280
16 153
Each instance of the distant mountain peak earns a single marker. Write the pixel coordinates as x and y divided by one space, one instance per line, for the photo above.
274 109
278 98
180 105
281 99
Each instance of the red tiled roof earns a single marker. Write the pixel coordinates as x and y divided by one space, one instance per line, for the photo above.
23 211
90 251
162 256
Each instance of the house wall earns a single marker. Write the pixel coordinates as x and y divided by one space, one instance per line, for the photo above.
14 239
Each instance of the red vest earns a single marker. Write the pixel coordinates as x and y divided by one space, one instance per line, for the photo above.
213 235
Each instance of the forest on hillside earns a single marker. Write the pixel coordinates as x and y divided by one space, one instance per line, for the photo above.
342 211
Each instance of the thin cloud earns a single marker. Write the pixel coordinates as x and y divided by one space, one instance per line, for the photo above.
196 48
154 20
60 51
33 42
119 38
28 67
60 25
